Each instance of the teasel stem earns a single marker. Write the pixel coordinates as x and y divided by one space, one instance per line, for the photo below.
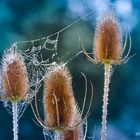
58 135
107 69
15 120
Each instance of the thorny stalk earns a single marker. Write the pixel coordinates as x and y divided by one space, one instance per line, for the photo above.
107 68
15 120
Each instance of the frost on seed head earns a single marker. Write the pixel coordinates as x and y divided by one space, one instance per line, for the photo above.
14 77
107 39
59 104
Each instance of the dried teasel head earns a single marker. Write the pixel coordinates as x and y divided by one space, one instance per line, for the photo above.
108 41
59 103
14 78
61 113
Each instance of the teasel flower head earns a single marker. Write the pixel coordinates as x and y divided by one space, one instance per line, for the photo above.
59 103
108 40
61 113
14 77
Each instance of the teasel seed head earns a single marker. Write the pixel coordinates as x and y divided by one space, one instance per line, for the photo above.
107 39
14 78
59 103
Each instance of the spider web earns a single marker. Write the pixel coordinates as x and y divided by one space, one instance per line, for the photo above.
39 54
38 57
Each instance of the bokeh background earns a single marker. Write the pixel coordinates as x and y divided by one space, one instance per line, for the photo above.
31 19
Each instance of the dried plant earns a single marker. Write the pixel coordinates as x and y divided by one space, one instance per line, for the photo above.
107 51
61 113
58 94
14 83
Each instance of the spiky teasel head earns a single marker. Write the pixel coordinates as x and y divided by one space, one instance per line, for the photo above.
108 40
59 103
61 113
14 78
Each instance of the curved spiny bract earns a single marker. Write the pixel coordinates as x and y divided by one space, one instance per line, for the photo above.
59 103
14 78
107 39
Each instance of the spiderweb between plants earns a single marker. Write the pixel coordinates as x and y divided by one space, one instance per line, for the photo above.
39 54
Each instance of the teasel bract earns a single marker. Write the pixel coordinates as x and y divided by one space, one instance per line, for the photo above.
61 113
108 51
14 83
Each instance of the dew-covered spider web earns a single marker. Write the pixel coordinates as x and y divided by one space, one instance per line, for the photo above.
39 54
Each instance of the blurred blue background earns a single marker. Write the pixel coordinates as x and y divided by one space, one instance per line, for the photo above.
31 19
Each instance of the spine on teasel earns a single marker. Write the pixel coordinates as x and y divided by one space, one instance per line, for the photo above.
108 38
59 104
14 77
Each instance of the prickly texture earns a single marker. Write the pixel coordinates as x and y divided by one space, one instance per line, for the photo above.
59 104
107 77
107 40
14 76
